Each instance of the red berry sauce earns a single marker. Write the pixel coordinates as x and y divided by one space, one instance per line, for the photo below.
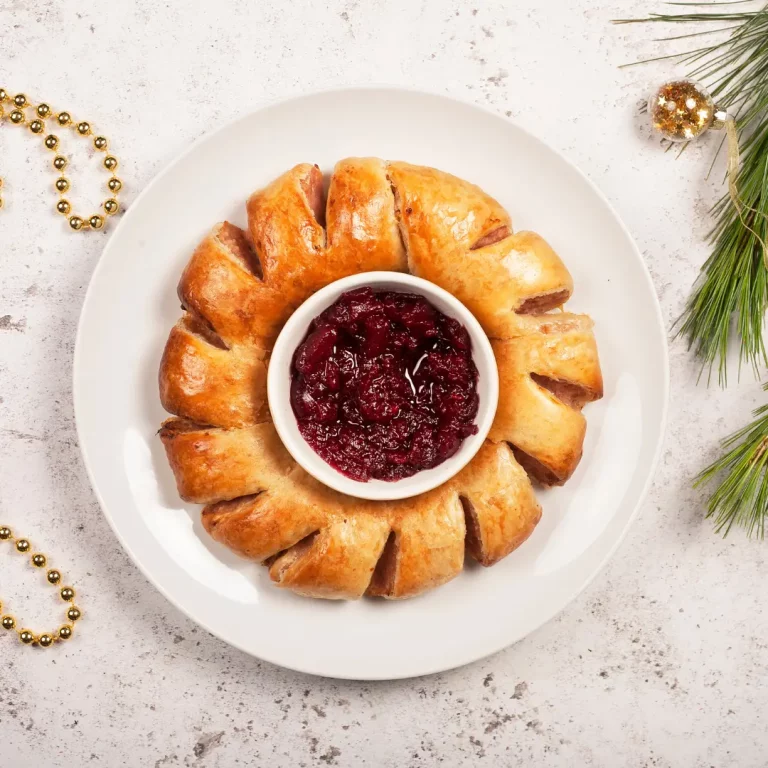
384 385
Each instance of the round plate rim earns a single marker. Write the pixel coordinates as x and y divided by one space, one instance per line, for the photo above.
582 585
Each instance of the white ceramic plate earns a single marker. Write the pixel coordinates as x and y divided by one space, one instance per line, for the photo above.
131 304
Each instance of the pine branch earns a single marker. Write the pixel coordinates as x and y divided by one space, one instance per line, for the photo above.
734 281
741 496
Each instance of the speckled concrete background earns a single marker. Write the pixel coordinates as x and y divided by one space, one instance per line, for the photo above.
662 662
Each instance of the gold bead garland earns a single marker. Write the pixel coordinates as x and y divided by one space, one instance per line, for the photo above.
17 106
67 594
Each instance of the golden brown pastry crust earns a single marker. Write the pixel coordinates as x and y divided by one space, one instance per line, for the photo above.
448 222
500 506
239 288
305 529
533 369
210 384
211 464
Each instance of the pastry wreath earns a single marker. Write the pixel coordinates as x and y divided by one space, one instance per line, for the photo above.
241 286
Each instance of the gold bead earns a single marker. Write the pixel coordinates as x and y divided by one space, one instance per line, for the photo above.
65 632
53 576
76 223
63 206
100 143
96 222
111 207
16 117
73 614
38 560
26 637
110 162
62 184
45 641
8 622
64 118
36 126
22 545
20 100
51 141
114 184
3 94
59 163
43 110
67 594
5 533
83 128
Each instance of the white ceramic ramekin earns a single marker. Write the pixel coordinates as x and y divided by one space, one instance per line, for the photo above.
279 386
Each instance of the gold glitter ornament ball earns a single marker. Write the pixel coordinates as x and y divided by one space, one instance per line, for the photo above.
681 110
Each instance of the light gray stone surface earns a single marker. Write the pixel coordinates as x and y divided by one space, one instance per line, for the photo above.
661 662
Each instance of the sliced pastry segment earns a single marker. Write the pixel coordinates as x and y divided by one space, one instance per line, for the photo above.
545 378
212 464
203 381
284 222
338 562
500 506
221 285
263 525
426 548
441 213
363 232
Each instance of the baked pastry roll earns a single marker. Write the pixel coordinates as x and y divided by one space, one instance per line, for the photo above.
239 288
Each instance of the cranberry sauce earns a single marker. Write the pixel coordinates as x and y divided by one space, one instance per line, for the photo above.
384 385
